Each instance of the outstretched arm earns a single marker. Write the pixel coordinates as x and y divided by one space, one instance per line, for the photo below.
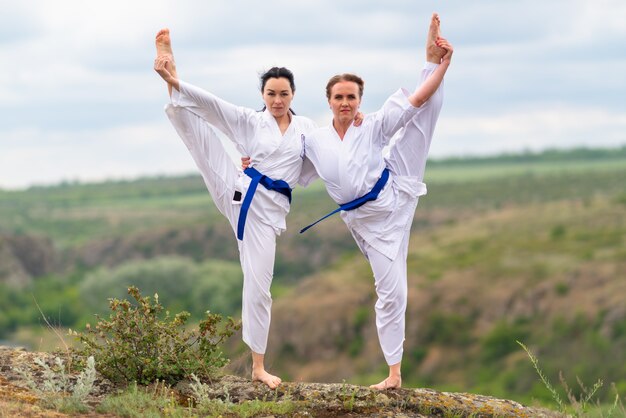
430 86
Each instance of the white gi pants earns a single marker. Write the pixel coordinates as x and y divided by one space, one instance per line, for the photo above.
257 250
407 157
391 288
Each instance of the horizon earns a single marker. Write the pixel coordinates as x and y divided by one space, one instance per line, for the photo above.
434 160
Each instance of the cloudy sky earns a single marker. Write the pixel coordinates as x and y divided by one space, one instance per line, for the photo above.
79 100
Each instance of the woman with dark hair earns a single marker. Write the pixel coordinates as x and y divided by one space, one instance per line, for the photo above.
255 201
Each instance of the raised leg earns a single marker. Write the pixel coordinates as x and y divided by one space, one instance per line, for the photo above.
409 147
216 166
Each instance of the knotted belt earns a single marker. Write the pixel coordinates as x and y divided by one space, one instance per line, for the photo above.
359 201
280 186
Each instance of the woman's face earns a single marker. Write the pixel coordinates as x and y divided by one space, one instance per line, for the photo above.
277 96
344 101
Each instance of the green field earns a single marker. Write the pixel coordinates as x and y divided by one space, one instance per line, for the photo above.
524 247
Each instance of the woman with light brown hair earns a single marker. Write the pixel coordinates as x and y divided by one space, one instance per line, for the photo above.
377 196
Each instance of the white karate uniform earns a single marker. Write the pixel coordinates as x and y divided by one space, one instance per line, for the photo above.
381 228
278 156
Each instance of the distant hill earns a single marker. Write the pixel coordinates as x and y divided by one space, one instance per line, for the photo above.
582 154
552 275
519 247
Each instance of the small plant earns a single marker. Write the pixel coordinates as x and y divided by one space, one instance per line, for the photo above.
57 390
348 401
139 343
544 379
207 406
581 404
202 394
617 402
138 401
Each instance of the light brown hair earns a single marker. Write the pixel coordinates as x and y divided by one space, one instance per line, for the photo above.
345 77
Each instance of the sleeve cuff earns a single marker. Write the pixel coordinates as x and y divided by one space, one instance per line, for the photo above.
175 98
180 97
402 95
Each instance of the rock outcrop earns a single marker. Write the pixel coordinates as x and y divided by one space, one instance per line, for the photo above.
313 399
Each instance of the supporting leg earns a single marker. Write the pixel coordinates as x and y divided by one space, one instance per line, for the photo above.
391 287
257 253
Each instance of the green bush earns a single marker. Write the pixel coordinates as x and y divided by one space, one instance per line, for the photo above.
558 232
181 283
218 286
502 340
140 344
15 305
171 277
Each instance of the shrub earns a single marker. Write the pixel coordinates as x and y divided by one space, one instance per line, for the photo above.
139 343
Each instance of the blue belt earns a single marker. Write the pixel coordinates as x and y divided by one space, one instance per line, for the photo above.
359 201
281 186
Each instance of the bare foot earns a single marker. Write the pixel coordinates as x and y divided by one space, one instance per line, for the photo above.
163 42
434 53
164 47
264 377
391 382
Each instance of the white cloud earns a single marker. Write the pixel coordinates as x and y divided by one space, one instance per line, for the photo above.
36 157
553 126
524 73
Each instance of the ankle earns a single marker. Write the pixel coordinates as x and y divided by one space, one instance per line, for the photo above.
395 373
258 362
435 54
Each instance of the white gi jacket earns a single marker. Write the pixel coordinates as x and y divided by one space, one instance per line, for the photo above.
350 168
255 134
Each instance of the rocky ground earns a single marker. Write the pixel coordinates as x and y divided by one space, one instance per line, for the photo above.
316 399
